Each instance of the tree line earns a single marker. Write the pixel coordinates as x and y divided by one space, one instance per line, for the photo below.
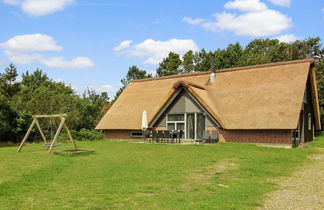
36 93
258 51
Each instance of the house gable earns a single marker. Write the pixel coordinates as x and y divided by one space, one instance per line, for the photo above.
182 102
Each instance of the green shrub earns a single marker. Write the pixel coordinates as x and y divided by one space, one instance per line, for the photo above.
87 134
83 134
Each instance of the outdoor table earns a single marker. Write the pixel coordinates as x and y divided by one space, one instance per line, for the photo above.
175 134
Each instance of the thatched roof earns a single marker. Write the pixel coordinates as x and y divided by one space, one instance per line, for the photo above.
265 96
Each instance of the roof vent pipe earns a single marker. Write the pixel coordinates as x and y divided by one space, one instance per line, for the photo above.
212 77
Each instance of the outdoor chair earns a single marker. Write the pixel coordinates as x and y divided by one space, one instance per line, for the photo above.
167 136
214 137
207 136
147 135
160 136
180 135
154 136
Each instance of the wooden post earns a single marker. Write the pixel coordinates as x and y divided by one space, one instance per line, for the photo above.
40 130
57 133
70 136
27 134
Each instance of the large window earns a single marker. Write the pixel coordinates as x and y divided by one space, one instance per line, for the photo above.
193 124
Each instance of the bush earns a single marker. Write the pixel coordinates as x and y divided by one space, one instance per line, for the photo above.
87 134
83 134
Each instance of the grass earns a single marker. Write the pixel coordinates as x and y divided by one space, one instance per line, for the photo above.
127 175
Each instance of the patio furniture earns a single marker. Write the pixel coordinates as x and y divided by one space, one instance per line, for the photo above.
180 135
205 138
147 135
167 136
174 135
214 137
154 136
160 136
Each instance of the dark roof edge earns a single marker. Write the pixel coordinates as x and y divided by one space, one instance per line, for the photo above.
311 61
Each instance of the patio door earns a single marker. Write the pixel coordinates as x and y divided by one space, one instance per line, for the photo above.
191 126
195 126
200 125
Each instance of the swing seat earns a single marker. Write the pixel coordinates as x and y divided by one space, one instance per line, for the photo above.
49 144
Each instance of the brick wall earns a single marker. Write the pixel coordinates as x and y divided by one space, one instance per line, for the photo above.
119 134
257 136
248 136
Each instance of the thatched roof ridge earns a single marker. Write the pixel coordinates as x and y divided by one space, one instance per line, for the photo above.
186 84
310 60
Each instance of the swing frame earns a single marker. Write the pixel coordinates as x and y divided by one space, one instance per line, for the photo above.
58 131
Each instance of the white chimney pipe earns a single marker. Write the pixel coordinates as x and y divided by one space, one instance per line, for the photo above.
212 78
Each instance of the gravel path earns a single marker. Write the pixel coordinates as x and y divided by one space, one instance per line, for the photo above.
303 190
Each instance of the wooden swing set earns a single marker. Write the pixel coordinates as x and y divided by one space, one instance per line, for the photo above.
52 142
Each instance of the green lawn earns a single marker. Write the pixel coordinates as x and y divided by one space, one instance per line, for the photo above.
144 176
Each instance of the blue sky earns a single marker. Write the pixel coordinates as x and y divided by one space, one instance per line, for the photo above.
91 43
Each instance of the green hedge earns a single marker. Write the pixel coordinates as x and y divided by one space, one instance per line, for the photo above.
83 134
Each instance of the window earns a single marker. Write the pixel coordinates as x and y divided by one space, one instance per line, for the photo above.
171 126
180 126
136 134
295 134
175 117
176 122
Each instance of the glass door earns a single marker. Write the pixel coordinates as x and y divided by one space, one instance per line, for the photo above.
190 126
200 125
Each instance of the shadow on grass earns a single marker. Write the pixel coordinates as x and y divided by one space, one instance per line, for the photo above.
9 144
73 153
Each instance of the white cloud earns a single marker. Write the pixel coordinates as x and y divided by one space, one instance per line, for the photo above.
123 45
257 20
31 42
110 89
287 38
40 7
155 51
284 3
75 63
26 49
193 21
22 58
246 5
255 24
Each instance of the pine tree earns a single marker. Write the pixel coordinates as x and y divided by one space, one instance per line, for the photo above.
169 66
